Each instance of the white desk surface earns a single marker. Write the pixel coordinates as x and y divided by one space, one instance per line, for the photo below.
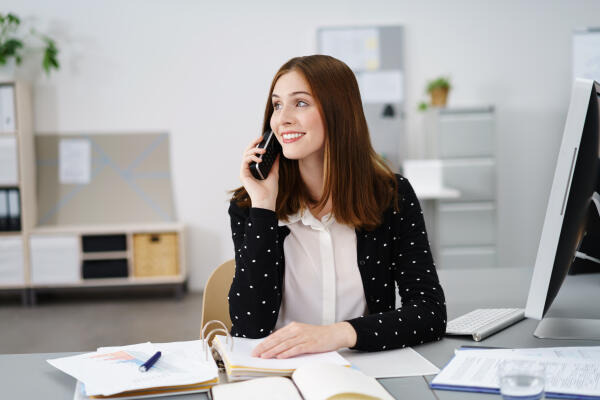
435 193
28 376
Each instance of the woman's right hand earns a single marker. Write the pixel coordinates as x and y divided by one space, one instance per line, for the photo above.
263 193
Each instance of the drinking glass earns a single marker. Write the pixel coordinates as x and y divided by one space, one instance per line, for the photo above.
521 379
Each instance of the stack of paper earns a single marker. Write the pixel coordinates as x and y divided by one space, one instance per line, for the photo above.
570 371
114 371
240 365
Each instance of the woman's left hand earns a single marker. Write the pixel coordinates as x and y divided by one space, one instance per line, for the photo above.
297 338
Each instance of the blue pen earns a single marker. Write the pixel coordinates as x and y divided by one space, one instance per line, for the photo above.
151 361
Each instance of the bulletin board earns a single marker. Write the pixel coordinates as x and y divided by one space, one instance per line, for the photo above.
103 179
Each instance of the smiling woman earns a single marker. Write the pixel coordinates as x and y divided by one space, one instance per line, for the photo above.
324 241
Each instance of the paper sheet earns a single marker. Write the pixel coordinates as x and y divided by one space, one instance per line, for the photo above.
570 372
583 353
75 161
116 370
275 387
242 348
381 86
358 48
8 161
390 363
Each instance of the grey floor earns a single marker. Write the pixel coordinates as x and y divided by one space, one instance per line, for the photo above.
86 321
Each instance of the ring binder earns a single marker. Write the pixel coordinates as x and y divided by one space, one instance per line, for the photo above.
212 332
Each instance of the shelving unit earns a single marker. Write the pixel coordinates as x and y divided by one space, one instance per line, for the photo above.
16 161
103 256
466 227
100 239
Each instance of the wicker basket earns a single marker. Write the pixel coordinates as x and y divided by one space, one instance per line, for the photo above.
155 254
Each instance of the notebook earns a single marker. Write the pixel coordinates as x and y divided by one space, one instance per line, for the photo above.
309 382
240 365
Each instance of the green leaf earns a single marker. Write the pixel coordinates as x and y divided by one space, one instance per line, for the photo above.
46 65
12 18
11 47
439 83
12 38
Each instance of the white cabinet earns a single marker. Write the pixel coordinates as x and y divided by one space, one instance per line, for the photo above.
11 261
466 227
54 259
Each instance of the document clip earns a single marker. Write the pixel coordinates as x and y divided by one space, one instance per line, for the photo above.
212 332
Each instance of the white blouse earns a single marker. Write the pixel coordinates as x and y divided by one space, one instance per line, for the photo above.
322 283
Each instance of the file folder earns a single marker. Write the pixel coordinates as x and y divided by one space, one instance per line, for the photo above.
3 210
14 210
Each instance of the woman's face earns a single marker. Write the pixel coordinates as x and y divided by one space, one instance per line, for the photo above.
296 119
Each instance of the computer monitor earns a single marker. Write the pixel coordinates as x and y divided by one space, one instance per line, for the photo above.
569 206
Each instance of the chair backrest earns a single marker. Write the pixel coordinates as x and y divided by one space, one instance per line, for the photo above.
215 305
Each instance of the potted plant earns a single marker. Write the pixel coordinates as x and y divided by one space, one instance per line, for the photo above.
13 43
438 90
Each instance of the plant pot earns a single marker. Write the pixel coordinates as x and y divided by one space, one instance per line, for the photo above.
439 97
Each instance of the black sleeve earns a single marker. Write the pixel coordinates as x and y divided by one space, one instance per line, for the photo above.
422 315
255 293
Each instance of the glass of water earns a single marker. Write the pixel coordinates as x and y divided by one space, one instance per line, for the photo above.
521 379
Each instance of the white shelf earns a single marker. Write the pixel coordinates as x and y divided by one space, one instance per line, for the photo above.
44 263
110 228
108 282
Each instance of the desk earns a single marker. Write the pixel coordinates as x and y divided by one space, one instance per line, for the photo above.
29 376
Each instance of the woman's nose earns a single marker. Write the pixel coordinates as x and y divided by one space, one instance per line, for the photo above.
286 115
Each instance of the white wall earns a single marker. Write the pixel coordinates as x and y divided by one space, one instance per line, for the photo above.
201 71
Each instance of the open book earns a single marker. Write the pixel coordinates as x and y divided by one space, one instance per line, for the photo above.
240 365
309 382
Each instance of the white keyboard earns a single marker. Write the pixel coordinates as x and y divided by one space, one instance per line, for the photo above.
484 322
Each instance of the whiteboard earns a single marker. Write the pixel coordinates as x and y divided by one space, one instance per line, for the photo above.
586 54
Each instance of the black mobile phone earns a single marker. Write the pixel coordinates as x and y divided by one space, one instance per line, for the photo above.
261 170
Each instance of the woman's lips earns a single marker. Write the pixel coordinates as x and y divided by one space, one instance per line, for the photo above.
291 137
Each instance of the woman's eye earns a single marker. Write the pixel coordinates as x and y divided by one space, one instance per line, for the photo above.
302 103
276 106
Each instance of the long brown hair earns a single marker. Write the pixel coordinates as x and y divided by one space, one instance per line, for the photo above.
361 186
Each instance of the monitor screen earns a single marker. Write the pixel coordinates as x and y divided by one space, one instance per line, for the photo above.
569 206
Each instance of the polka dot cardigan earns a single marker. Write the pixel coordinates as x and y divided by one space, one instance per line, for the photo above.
394 255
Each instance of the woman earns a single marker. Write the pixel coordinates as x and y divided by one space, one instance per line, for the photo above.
323 241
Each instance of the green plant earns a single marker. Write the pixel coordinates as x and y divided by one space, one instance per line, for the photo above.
12 43
439 83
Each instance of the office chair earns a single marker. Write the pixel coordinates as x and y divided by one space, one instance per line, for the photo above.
215 305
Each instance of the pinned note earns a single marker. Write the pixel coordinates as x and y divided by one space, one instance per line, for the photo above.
75 162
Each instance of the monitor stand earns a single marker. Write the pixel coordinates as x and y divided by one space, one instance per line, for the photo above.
568 328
